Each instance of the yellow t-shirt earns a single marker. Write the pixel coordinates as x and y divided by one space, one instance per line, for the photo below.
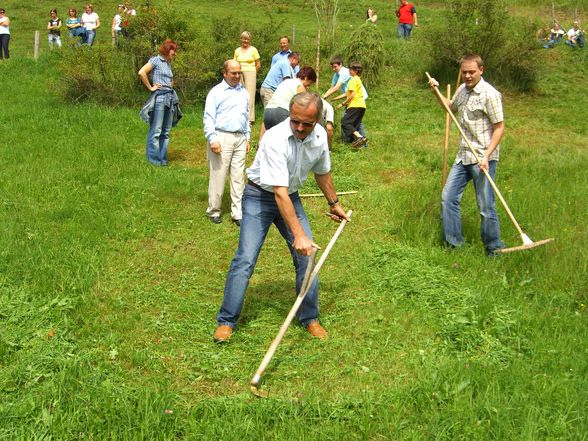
246 58
355 85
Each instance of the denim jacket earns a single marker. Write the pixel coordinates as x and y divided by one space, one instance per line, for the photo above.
170 100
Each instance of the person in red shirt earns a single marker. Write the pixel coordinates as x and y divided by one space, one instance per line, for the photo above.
407 18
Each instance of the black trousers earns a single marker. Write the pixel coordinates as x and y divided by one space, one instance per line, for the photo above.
351 121
4 41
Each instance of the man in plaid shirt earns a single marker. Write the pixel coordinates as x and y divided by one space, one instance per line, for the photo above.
479 109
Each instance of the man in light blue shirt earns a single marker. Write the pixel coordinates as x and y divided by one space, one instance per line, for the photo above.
279 72
227 131
287 153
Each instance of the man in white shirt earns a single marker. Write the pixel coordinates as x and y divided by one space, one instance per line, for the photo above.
227 130
575 36
287 153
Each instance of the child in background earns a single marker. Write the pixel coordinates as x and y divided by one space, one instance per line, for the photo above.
355 103
54 27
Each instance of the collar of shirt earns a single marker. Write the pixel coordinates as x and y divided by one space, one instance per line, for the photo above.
478 88
228 86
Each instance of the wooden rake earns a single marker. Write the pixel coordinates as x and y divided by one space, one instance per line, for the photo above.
309 277
527 242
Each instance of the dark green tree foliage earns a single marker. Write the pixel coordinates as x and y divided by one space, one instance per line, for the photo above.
486 27
367 47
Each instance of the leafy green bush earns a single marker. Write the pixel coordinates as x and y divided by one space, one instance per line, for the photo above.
109 75
507 45
367 46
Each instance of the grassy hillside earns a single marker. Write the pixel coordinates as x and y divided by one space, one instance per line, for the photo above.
111 275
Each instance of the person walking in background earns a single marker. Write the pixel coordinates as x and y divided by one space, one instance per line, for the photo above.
54 27
116 30
479 107
282 70
407 18
287 154
74 24
249 59
91 22
4 35
355 104
162 110
227 131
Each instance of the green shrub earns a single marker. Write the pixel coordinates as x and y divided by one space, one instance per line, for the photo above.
367 46
507 45
109 75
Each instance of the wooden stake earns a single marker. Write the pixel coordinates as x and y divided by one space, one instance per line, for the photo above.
36 49
318 58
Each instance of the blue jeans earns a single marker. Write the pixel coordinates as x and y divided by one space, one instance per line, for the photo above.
259 212
88 37
404 30
160 124
457 180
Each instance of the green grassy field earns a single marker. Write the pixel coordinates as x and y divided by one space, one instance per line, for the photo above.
111 275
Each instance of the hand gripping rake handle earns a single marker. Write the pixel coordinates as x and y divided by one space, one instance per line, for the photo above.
309 278
471 147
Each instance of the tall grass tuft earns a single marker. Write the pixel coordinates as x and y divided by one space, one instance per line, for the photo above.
367 46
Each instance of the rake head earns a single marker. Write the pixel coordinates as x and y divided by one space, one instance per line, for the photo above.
525 246
255 387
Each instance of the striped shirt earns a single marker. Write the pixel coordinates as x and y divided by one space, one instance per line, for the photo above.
479 109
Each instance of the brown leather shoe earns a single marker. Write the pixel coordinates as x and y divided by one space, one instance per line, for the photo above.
316 330
222 333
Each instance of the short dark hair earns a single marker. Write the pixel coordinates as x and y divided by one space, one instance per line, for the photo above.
336 60
284 36
356 66
2 10
305 99
294 55
167 46
307 72
52 11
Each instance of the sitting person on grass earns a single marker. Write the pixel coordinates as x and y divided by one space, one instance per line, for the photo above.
555 36
575 36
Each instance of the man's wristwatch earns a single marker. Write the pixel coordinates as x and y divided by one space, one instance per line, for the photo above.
334 202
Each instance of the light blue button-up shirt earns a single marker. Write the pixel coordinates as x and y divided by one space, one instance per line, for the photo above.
283 160
277 73
227 110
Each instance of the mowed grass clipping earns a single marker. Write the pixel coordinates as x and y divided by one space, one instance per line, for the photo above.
111 277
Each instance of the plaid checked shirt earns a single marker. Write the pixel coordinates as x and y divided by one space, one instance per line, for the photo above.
479 109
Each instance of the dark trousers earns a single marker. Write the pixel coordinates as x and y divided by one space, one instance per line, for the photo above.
4 41
351 121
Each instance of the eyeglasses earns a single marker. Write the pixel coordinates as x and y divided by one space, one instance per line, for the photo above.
297 122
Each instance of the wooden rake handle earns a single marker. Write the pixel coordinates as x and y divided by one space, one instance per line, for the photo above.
471 147
306 284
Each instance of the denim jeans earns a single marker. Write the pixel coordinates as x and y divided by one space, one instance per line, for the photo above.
457 180
404 30
54 39
158 137
88 37
259 212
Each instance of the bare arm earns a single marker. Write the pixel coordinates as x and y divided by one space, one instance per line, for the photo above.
302 244
325 183
332 90
494 141
350 95
97 23
415 20
257 65
144 75
442 100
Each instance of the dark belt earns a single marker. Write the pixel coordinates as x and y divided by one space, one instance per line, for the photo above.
259 187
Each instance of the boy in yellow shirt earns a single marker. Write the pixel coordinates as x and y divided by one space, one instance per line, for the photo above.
355 103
